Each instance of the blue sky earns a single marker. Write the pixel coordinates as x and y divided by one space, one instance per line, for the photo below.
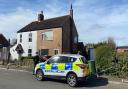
96 20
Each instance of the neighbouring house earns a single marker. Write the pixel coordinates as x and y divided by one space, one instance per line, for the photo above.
4 48
47 36
121 49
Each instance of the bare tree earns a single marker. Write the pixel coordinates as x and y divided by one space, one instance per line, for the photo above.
111 43
13 41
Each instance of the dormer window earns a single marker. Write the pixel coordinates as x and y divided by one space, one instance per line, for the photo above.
30 37
20 38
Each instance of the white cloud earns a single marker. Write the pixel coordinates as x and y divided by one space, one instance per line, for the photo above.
93 24
12 22
97 24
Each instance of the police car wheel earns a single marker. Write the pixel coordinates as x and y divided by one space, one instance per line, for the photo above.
72 80
39 75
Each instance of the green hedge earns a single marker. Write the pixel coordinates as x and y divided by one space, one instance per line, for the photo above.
120 69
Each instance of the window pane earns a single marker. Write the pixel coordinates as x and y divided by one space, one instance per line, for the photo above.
83 59
54 59
29 50
44 51
20 35
30 34
56 52
47 35
30 37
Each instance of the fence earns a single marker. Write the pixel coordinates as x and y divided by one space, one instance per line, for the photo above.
26 64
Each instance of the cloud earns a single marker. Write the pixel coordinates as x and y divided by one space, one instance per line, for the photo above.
96 23
95 20
12 22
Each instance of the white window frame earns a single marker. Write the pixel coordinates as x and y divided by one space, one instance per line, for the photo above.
30 37
30 52
21 38
57 50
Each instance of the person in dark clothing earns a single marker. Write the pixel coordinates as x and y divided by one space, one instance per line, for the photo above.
36 59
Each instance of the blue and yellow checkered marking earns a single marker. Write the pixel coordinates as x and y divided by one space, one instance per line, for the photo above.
54 66
42 66
68 66
59 66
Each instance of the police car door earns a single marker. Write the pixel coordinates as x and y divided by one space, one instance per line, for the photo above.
51 66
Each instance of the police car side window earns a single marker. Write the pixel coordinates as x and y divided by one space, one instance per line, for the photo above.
65 59
73 59
54 59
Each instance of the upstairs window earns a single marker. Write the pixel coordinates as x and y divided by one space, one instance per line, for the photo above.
30 37
20 38
47 36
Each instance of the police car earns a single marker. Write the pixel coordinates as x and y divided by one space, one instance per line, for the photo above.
71 67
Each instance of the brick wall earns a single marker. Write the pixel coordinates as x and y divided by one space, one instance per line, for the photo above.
56 43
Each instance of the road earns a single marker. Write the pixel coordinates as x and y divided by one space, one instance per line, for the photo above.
24 80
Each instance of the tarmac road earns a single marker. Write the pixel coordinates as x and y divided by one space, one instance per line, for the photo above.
24 80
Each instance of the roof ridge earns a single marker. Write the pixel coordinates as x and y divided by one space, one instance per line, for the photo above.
52 18
47 23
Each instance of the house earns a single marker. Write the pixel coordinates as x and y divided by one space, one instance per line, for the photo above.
4 48
121 49
47 36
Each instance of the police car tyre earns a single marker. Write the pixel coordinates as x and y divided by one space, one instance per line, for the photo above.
39 75
72 80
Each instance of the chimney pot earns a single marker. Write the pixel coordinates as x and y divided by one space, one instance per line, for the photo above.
40 16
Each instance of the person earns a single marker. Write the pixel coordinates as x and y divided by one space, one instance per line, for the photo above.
35 60
43 58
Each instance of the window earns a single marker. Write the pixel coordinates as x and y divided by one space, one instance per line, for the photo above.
47 35
56 51
54 59
20 38
44 51
30 37
29 52
83 59
65 59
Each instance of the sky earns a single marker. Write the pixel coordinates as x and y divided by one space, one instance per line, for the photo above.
96 20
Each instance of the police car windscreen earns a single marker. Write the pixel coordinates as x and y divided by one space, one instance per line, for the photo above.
84 60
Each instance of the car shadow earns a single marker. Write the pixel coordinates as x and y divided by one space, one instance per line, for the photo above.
90 82
94 82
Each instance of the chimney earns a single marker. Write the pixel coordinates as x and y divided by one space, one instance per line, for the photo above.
40 16
71 11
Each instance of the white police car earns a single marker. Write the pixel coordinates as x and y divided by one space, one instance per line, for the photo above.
71 67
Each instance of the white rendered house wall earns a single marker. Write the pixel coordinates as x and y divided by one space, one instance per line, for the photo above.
25 44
